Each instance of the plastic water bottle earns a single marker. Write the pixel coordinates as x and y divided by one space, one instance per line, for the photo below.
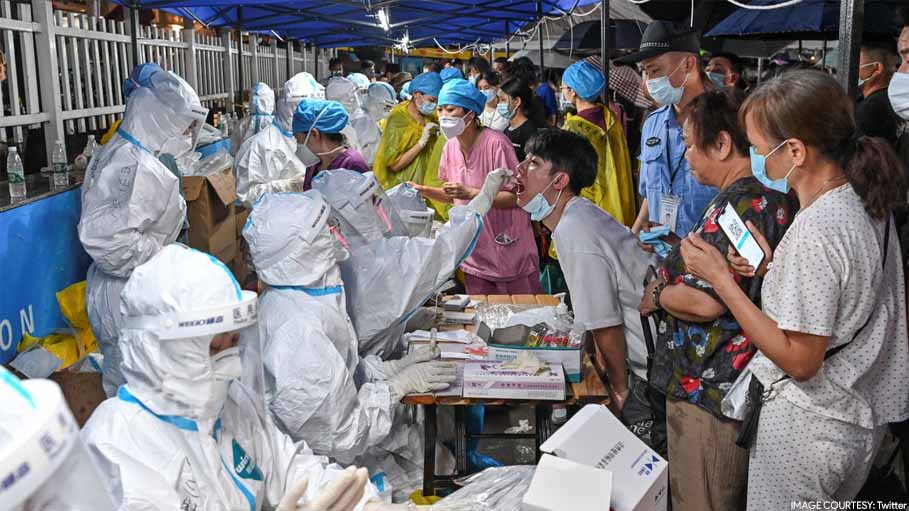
16 174
58 160
91 147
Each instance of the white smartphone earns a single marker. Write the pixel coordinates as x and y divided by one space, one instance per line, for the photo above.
739 235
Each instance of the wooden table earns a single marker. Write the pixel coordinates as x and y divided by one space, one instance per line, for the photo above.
589 390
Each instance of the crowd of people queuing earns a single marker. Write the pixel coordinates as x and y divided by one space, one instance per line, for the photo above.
762 385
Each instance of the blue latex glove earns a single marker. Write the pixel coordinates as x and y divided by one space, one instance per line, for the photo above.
654 239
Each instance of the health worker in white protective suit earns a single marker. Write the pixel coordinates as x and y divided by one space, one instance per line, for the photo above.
362 133
261 115
44 463
319 388
380 99
185 432
392 275
268 161
131 203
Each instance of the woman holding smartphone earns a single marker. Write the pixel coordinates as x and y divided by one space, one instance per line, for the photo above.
700 347
833 358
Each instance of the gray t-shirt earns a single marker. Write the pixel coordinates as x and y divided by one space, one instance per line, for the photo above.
604 268
827 280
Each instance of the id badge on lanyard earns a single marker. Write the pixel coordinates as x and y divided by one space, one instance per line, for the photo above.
669 203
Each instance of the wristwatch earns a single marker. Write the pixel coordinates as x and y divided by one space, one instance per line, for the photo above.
657 291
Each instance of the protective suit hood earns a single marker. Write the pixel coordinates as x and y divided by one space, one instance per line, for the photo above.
298 88
262 100
412 208
174 305
162 111
344 91
290 241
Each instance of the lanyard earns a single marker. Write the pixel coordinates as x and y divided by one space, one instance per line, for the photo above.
133 140
313 291
190 425
672 173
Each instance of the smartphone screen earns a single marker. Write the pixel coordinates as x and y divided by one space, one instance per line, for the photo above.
740 237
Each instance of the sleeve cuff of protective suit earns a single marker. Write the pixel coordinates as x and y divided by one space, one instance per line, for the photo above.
373 368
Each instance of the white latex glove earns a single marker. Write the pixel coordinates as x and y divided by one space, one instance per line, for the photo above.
422 378
342 494
427 132
421 354
482 203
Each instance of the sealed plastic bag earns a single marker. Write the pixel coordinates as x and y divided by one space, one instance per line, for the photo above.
494 489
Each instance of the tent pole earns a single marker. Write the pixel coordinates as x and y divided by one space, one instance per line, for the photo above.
240 85
507 41
852 19
760 70
604 45
134 35
540 35
315 50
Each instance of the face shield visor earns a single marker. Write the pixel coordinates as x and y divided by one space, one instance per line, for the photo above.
363 210
43 461
185 144
411 207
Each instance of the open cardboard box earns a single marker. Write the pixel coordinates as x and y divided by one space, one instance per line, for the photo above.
595 437
212 217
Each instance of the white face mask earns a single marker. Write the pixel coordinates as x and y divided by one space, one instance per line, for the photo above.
305 154
898 92
662 91
225 368
452 126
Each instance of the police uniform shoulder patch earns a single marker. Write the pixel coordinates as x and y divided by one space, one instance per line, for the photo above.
653 141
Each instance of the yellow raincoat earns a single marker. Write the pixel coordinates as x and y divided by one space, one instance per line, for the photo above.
613 190
402 132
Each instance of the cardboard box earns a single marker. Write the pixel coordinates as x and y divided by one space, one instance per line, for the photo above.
487 379
570 358
83 392
560 484
595 437
210 210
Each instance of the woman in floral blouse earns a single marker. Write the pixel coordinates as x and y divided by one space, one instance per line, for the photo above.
700 348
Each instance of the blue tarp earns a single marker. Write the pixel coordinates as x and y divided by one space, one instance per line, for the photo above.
810 19
333 23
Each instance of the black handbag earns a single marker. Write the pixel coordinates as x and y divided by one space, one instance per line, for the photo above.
757 395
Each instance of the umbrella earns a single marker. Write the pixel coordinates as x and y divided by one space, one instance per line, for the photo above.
809 19
623 35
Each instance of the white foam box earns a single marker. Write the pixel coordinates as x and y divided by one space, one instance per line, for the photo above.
595 437
487 379
570 358
560 484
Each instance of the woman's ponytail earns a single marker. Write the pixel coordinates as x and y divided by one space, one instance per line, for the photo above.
876 175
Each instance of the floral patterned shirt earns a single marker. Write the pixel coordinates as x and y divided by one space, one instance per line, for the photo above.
698 362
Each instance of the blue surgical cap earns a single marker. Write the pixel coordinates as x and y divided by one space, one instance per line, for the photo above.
427 83
325 116
585 79
139 77
451 73
405 91
463 94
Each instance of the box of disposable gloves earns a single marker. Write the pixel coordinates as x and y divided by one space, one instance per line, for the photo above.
596 438
211 213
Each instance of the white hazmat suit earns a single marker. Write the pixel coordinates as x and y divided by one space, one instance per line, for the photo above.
319 389
380 99
390 276
268 161
261 115
131 203
361 132
184 433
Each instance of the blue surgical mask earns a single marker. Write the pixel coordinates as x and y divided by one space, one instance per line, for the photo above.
472 79
504 111
718 79
759 169
427 108
662 91
540 208
490 94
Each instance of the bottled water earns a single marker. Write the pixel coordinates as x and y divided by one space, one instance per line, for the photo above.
16 174
58 161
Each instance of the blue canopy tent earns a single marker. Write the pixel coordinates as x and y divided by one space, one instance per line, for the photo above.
809 19
334 23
